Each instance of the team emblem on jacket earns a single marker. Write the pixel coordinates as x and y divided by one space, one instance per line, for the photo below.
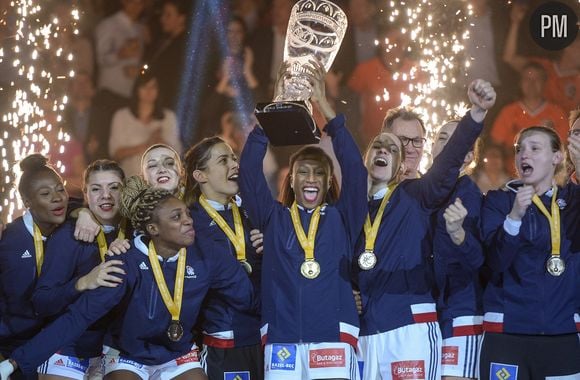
561 203
189 272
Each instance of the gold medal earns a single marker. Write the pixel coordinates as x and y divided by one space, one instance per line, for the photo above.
367 260
246 265
310 269
173 304
555 265
175 331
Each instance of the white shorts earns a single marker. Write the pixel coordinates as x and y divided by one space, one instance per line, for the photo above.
113 361
306 361
409 352
72 367
460 356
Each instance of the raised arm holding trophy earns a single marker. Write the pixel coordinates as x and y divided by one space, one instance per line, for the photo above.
315 32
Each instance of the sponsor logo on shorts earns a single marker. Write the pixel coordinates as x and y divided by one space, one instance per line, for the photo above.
75 363
450 355
408 369
191 357
500 371
283 357
243 375
329 357
130 362
81 365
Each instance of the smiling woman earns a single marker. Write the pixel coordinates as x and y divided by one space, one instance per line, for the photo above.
394 270
231 337
22 249
150 332
161 168
310 182
72 267
308 308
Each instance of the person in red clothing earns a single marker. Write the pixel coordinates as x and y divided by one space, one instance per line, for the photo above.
563 74
380 81
531 109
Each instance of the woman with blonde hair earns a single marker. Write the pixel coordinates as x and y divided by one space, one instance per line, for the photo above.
531 240
158 300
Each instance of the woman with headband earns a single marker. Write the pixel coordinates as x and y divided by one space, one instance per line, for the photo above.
161 167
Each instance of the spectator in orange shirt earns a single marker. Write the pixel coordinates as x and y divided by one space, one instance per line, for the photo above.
531 109
563 74
380 81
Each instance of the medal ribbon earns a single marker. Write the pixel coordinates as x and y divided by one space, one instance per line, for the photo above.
38 248
102 242
172 304
238 237
307 243
371 230
553 219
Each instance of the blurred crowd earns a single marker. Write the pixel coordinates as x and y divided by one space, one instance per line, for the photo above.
141 65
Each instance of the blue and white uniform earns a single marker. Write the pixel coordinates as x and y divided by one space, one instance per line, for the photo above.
67 260
225 327
18 276
530 316
399 329
310 326
459 304
139 341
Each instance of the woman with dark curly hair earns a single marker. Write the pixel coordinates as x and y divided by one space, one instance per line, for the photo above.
151 333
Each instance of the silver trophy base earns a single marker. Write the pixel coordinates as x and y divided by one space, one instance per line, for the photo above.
287 123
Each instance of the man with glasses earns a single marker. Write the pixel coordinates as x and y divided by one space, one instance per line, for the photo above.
410 129
399 333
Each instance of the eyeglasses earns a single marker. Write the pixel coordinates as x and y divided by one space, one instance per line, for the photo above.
574 132
418 142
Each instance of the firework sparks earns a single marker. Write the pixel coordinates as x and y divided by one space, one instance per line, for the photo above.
30 119
436 32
